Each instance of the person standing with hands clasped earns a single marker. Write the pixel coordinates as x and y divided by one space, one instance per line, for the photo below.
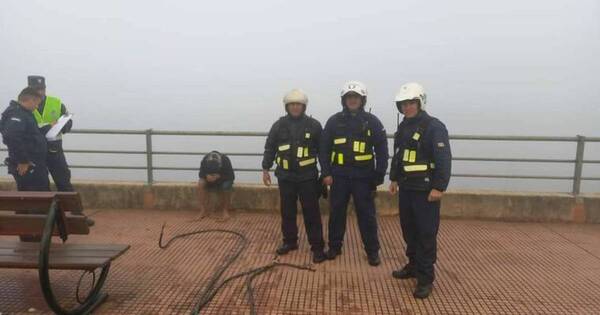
293 143
420 174
354 159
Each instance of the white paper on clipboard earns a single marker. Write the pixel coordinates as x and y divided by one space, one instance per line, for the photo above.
52 134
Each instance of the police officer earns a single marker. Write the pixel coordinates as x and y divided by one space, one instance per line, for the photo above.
354 159
293 143
420 174
46 115
26 145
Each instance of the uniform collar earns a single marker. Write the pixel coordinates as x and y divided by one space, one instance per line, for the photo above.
299 118
18 105
414 120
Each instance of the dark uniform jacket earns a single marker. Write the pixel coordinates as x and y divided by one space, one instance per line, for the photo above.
349 125
20 133
432 147
301 132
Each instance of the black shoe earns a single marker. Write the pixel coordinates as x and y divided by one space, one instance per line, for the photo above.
374 259
423 291
89 222
332 253
405 273
319 256
286 248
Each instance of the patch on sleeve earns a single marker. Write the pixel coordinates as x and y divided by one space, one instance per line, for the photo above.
441 144
16 119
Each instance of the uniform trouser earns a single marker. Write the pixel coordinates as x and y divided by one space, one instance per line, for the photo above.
35 179
59 169
361 191
420 221
307 192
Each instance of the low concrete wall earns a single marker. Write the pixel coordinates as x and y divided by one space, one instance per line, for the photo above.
489 205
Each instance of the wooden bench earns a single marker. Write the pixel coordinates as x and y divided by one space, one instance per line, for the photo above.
48 214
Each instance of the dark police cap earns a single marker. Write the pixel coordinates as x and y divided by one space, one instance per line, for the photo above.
36 81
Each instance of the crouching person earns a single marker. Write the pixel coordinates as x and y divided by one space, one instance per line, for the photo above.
216 175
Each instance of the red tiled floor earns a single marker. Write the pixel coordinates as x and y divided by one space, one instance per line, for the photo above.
483 267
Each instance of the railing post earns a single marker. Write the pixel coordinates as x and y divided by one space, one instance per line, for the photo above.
578 165
149 165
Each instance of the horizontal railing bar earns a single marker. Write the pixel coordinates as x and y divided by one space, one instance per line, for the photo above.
209 133
108 131
260 170
165 168
482 159
263 134
591 161
204 153
105 151
512 176
116 167
513 138
475 159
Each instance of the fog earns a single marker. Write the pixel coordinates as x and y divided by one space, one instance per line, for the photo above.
489 68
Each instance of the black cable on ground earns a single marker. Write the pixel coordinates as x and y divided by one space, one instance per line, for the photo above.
219 272
213 288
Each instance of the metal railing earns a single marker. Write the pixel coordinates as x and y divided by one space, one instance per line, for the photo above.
576 179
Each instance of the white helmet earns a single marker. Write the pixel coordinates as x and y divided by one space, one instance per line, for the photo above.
411 91
295 96
356 87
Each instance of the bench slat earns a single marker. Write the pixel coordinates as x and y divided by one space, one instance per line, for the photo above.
39 200
23 224
61 252
7 244
62 256
56 262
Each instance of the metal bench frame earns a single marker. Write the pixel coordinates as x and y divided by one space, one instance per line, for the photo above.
56 217
94 298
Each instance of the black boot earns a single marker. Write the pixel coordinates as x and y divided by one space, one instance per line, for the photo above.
406 272
423 290
332 253
374 259
319 256
286 248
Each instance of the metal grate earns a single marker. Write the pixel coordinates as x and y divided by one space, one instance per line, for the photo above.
483 267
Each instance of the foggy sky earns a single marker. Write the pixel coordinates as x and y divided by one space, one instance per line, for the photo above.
503 67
